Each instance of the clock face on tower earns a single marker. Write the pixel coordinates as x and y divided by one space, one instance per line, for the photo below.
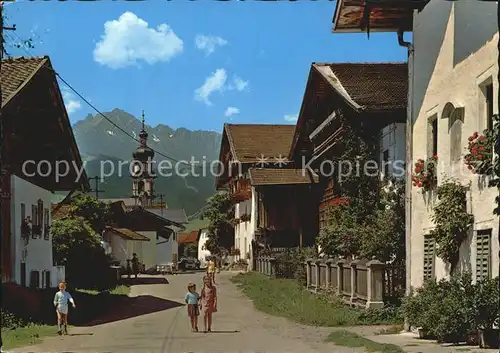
136 171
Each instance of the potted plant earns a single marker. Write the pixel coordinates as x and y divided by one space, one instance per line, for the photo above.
424 174
487 311
245 217
480 153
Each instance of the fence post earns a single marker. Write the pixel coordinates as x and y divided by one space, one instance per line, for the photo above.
272 265
308 272
375 286
329 263
354 281
340 277
318 273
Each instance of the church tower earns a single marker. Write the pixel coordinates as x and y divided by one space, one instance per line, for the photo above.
142 171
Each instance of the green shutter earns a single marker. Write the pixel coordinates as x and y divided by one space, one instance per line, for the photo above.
429 257
483 254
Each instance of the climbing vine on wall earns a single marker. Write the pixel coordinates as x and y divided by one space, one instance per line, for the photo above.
496 164
359 184
451 219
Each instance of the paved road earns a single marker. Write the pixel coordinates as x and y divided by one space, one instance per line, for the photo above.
237 327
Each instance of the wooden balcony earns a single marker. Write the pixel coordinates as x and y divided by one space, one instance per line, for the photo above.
241 190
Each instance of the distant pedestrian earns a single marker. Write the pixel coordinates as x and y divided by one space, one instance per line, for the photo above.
211 269
208 302
135 264
61 300
192 300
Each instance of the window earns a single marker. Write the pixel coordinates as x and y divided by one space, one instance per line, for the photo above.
483 254
34 215
385 159
455 131
23 212
46 232
429 257
432 136
488 90
35 279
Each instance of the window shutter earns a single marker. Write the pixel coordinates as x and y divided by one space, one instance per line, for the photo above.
429 257
483 254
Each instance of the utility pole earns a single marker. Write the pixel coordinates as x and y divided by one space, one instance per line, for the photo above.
4 173
161 202
96 190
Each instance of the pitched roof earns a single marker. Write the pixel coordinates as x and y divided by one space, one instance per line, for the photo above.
178 216
275 176
128 234
59 211
16 72
248 142
188 238
369 86
127 201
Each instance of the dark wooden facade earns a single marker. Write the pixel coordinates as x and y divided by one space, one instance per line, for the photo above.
287 216
326 116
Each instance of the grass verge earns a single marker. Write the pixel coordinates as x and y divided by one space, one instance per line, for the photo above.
27 335
352 340
119 290
286 298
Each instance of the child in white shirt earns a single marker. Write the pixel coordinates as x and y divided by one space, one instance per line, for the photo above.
61 303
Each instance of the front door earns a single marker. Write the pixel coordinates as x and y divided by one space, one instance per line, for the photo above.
23 274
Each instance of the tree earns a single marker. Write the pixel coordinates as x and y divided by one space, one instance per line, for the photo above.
78 247
191 250
220 214
95 212
384 237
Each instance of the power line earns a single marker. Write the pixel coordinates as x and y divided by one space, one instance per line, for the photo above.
97 110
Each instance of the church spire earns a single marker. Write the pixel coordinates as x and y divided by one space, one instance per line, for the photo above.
143 134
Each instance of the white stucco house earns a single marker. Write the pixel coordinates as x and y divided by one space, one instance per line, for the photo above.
34 145
156 240
123 243
453 92
203 253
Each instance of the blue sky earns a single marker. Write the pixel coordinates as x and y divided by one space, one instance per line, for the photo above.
195 64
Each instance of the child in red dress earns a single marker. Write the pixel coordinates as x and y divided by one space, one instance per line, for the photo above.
208 302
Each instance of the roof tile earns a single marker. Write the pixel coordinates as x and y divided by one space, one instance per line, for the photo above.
15 72
375 86
274 176
251 141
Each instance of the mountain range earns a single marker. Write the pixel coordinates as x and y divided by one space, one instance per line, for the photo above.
102 144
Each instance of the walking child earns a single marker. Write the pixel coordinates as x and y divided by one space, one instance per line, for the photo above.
192 299
61 303
208 302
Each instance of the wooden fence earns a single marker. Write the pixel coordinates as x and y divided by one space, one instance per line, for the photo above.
369 284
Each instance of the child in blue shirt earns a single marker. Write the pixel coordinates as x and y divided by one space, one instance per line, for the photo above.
192 298
61 300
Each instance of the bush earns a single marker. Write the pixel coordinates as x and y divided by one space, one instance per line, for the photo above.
486 304
382 316
10 321
450 310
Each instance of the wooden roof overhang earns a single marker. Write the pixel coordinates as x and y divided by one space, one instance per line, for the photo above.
142 219
127 234
355 16
318 127
38 132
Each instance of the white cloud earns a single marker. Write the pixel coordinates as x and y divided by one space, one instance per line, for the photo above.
129 39
70 101
208 44
215 82
291 118
239 84
231 111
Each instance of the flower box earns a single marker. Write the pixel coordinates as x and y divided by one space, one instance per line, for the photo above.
425 173
245 217
480 153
